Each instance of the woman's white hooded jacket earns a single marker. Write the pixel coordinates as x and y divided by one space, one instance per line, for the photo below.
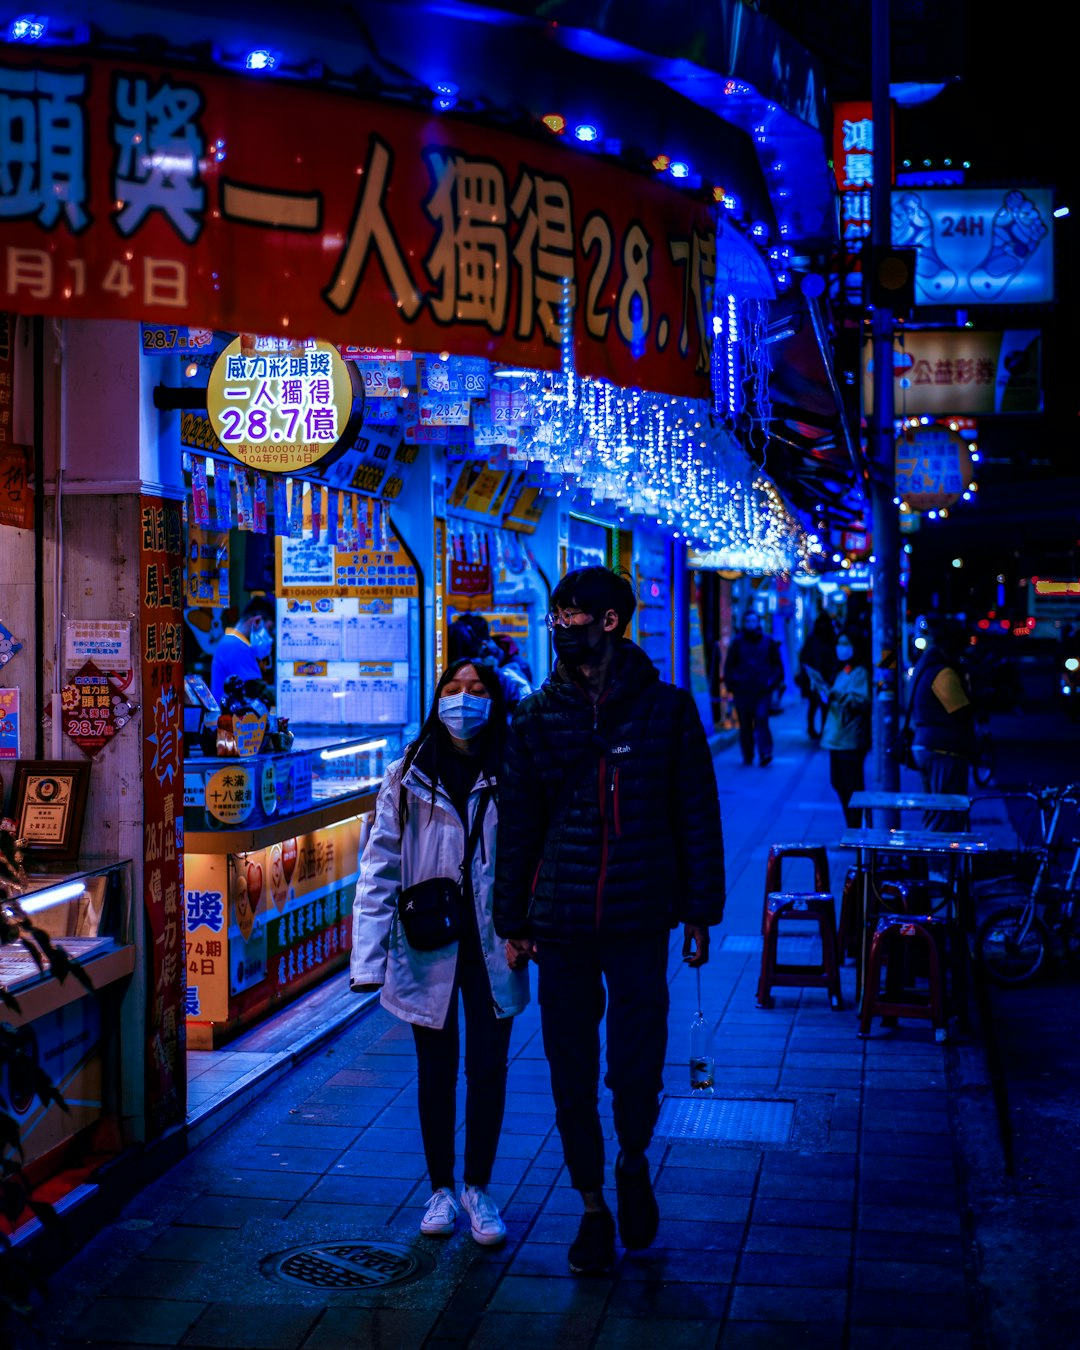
416 986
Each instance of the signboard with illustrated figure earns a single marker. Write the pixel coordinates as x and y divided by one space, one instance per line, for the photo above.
978 246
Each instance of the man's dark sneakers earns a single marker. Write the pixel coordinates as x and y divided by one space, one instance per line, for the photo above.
593 1250
639 1214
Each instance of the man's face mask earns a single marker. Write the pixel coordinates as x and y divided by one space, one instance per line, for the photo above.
261 642
573 645
752 625
844 651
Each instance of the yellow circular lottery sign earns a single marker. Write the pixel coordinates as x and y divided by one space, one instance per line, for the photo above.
281 408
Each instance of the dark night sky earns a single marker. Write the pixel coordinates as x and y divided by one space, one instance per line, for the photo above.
1010 116
1009 109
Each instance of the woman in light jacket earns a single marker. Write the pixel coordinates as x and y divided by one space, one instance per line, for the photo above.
426 811
847 726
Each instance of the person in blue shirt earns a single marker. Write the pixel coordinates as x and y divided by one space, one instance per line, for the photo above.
244 646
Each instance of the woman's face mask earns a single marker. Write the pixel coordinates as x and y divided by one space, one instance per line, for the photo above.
464 715
261 642
844 652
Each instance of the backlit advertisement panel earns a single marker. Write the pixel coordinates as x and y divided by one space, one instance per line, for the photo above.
953 372
978 246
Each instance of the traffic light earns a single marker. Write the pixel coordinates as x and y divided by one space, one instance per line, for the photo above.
890 279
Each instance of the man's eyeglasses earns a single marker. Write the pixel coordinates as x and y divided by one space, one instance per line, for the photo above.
566 618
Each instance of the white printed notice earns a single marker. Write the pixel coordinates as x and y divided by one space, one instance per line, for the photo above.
106 642
309 637
381 636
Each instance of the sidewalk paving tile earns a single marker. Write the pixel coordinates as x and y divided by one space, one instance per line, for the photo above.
916 1277
782 1336
779 1268
137 1321
400 1328
786 1303
629 1333
900 1308
252 1326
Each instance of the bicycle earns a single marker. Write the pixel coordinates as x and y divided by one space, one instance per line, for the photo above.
1012 943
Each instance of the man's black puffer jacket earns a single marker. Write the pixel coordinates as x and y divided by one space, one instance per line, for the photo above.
638 847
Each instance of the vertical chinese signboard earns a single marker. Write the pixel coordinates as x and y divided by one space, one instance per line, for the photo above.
161 561
853 164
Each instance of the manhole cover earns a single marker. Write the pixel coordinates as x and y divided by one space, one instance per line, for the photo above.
726 1120
347 1265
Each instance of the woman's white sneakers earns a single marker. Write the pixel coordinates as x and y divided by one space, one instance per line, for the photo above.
441 1215
487 1226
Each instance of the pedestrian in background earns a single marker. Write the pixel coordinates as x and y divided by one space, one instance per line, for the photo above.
470 636
846 734
435 822
609 837
752 671
818 653
942 718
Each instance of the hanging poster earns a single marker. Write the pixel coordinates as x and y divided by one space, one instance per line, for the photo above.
380 569
106 642
93 709
16 493
208 568
9 724
9 646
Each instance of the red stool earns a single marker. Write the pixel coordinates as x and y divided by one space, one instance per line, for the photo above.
891 935
774 866
819 908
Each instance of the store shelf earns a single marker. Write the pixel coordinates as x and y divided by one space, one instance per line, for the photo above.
305 822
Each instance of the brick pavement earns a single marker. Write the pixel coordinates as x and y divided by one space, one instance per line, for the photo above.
847 1233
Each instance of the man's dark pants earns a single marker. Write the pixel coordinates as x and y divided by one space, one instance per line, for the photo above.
944 773
572 998
752 711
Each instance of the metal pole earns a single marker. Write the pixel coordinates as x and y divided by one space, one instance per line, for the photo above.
883 515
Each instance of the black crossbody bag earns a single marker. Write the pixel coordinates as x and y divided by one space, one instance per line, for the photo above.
431 911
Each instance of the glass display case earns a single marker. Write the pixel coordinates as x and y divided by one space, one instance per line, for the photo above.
61 1026
86 914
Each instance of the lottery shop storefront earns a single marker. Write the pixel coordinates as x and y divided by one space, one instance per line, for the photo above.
373 491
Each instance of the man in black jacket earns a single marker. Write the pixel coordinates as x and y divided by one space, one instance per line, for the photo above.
752 671
609 836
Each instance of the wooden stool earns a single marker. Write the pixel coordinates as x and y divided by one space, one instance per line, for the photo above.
888 949
819 908
774 866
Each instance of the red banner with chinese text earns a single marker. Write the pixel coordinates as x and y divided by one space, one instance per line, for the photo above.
238 204
161 561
